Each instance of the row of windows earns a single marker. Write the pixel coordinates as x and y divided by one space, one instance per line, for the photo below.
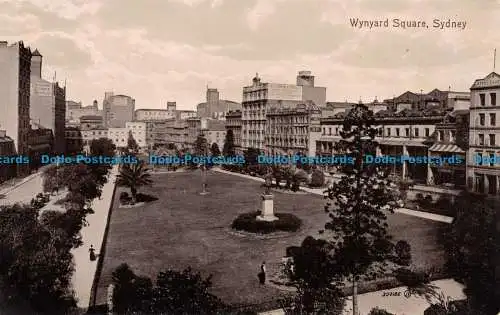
491 138
407 133
493 99
493 119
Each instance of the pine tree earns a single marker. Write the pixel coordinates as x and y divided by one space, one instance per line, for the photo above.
228 149
358 205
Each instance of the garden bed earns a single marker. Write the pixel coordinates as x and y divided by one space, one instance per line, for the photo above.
248 222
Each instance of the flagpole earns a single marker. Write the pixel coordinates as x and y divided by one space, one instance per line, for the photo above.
494 59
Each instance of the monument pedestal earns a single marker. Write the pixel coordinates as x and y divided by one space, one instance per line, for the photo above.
267 209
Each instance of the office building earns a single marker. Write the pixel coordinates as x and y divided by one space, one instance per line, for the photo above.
214 107
233 123
118 109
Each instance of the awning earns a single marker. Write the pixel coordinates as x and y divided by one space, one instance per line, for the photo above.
452 148
402 142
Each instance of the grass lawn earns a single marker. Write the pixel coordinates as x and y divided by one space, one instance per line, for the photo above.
184 229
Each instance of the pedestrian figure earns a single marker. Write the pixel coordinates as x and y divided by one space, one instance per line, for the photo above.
92 254
262 273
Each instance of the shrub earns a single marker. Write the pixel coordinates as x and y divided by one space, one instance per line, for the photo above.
403 253
298 178
379 311
248 222
145 198
436 309
317 178
443 203
124 196
410 278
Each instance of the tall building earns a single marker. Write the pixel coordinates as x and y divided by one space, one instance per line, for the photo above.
47 103
118 109
484 136
260 96
15 68
214 107
233 123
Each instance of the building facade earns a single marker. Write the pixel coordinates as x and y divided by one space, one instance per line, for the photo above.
74 141
233 123
483 172
15 69
41 141
47 103
139 132
259 96
153 114
7 148
177 133
156 133
75 110
117 109
214 132
289 126
406 133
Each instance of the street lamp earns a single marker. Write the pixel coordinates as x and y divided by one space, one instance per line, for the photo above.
204 172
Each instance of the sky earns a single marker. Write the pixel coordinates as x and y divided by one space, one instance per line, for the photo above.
170 50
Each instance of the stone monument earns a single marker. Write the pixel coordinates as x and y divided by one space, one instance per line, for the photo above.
267 208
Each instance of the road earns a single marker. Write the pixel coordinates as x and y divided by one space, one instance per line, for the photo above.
25 192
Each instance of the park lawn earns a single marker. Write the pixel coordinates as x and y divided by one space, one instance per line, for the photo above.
183 229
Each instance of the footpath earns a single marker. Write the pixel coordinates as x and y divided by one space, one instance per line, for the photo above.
399 305
92 234
12 185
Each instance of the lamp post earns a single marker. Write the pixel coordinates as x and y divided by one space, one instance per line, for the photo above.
204 173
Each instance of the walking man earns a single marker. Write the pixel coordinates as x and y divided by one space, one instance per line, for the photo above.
92 254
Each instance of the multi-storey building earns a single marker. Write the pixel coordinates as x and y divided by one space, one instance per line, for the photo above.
233 123
484 136
214 132
119 136
74 141
259 96
92 128
177 133
451 138
289 126
404 133
41 141
435 98
118 109
153 114
156 133
139 132
194 128
184 114
47 103
15 69
214 107
75 110
7 171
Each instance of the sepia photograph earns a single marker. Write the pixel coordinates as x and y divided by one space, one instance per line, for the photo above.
249 157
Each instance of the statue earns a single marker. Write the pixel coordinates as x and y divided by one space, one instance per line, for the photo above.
269 183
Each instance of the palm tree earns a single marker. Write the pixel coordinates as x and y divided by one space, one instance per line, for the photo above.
134 176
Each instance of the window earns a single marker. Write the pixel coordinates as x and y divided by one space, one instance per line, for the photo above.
407 132
482 120
330 131
388 132
440 135
493 99
481 139
415 131
337 131
482 99
492 159
427 132
397 132
493 119
492 140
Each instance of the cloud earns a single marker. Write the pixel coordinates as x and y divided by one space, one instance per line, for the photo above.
69 9
262 10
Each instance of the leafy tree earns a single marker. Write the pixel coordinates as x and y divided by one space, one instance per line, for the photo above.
473 245
102 147
214 149
299 177
379 311
251 156
317 178
201 146
317 279
134 176
228 149
132 146
361 199
175 292
36 263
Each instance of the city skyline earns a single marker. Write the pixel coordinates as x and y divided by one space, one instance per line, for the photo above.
159 51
